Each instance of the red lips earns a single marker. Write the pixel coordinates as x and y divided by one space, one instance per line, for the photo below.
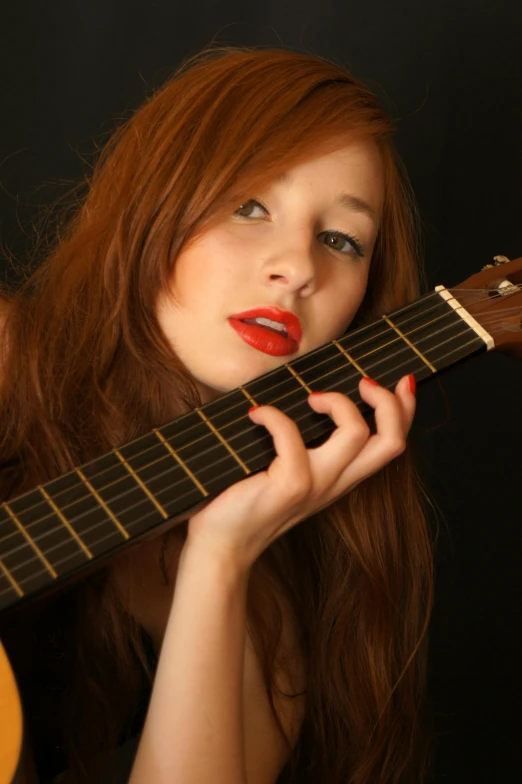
263 339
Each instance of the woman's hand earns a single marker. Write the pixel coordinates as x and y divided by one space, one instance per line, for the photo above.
247 517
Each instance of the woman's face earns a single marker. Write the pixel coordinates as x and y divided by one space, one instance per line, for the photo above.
295 255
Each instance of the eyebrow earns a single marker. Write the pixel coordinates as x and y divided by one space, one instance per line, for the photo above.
357 205
353 203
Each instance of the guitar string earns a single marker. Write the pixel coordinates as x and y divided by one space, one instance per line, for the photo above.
396 339
343 380
439 301
98 541
205 452
236 436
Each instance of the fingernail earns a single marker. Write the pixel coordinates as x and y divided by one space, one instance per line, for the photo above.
412 383
317 392
252 408
371 381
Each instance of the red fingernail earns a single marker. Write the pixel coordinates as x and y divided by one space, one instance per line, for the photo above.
412 383
371 381
252 408
317 392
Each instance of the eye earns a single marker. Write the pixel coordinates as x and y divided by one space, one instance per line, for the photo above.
251 209
344 243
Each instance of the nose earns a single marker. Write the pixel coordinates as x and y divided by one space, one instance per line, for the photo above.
291 268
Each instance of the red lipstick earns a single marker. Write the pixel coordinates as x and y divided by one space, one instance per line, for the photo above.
265 338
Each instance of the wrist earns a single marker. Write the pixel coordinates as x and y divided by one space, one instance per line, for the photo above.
202 552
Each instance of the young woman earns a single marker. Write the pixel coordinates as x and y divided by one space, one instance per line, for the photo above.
279 633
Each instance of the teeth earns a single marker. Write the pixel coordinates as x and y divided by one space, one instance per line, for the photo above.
274 326
264 322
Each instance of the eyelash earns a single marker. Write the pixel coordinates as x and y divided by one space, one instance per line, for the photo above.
354 242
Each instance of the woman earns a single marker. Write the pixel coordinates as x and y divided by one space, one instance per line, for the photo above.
283 625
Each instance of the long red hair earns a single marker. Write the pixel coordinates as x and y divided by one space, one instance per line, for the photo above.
85 367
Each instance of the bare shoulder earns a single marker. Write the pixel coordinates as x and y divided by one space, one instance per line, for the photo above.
266 750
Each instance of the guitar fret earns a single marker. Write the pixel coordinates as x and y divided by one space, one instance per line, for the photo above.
350 359
229 415
181 463
130 504
410 344
11 579
203 453
44 526
298 377
65 522
225 443
443 334
102 503
280 386
145 489
248 396
466 316
255 444
386 357
82 510
30 541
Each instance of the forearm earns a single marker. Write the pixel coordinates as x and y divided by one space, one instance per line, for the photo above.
194 732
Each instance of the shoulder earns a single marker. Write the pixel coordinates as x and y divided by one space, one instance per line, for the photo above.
266 750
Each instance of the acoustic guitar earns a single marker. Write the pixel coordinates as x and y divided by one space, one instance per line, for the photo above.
70 525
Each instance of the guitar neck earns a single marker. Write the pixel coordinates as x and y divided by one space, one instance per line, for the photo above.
60 528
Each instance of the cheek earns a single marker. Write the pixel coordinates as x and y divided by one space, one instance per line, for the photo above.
355 288
187 272
203 269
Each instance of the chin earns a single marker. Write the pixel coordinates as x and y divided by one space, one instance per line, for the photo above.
217 380
209 388
209 391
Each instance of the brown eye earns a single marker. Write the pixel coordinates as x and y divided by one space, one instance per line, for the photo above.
251 209
337 240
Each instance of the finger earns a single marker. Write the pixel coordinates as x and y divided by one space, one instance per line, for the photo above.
387 443
351 433
390 439
406 392
388 412
292 465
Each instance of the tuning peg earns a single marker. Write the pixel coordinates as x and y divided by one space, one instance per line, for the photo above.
497 261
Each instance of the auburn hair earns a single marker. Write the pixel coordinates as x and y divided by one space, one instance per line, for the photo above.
86 367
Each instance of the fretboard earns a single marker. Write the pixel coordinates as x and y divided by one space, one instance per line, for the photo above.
60 528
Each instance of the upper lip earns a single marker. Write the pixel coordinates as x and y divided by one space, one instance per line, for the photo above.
289 320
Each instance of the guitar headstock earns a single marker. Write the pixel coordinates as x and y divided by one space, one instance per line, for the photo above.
493 296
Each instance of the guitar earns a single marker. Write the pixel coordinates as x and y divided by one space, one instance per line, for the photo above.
68 526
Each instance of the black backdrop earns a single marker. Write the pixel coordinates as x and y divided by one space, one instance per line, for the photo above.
451 71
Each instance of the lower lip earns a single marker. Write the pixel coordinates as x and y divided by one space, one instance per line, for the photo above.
263 340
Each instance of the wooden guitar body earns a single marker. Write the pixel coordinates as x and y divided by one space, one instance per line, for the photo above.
10 721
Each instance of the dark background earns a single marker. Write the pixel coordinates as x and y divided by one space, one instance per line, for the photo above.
451 72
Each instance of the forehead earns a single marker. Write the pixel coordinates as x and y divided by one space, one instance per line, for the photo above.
354 174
